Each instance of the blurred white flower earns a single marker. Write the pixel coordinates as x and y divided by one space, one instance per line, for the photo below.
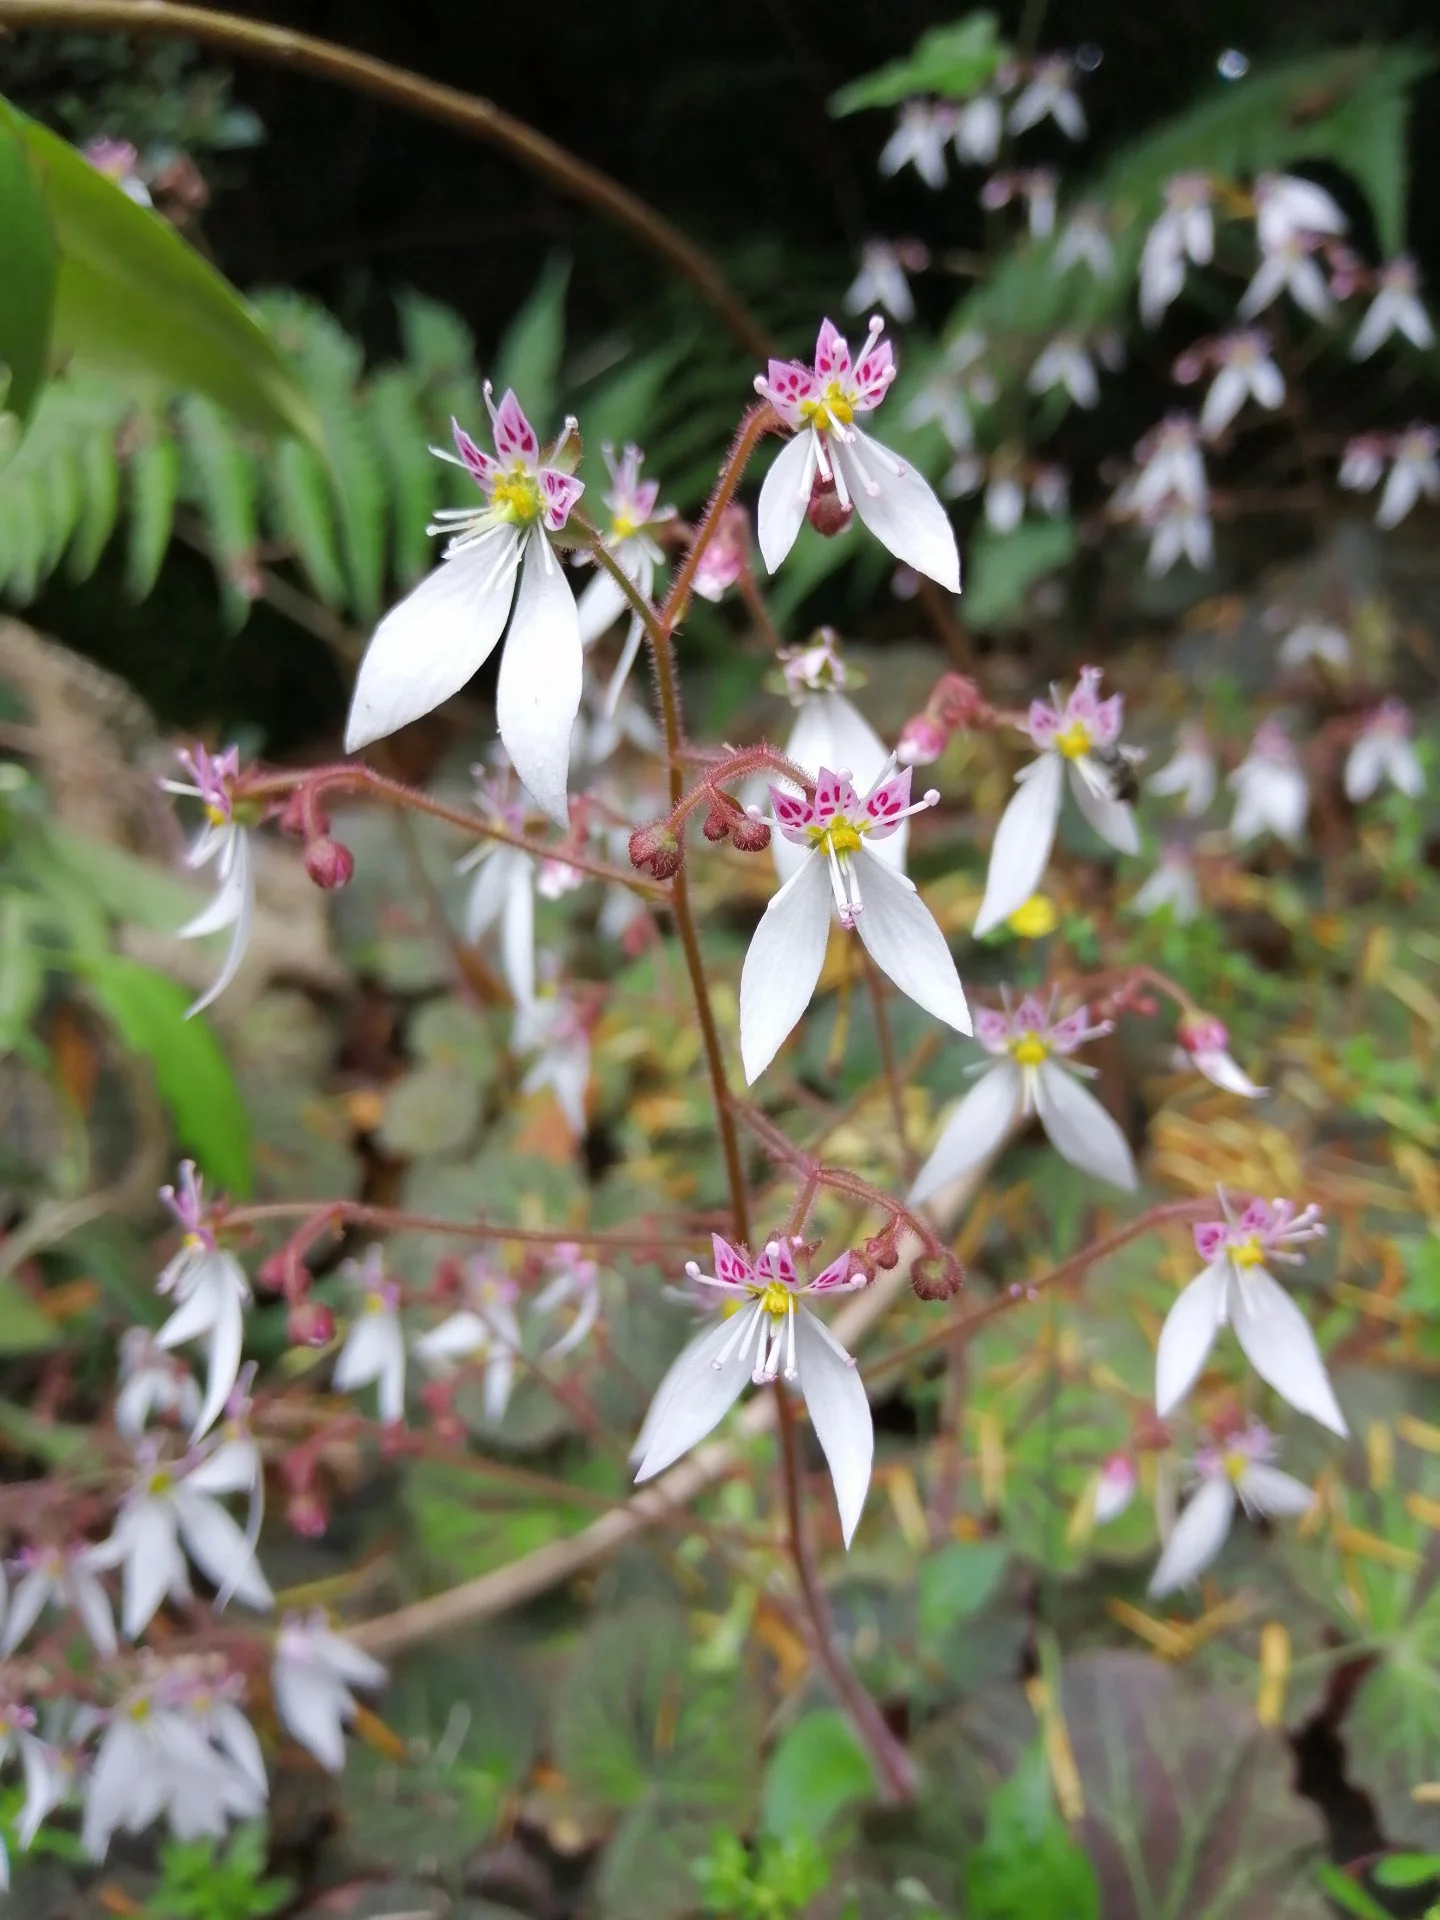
1271 792
1245 371
1396 308
1064 362
978 128
1190 772
922 133
226 843
1085 241
1384 754
152 1382
1287 207
61 1577
374 1348
1315 640
1185 231
881 280
1288 267
630 541
1050 95
1205 1045
311 1679
211 1293
552 1027
1236 1471
484 1328
154 1759
1173 884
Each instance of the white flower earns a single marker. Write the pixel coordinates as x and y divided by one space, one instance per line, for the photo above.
819 404
1287 206
1364 461
1115 1486
576 1283
223 840
830 731
769 1333
64 1577
1237 1470
921 135
49 1782
1414 471
1082 734
1185 231
1396 308
1178 531
484 1328
374 1348
1189 772
950 387
311 1679
1171 469
1272 794
1050 95
1315 640
1085 242
1050 490
1384 753
1205 1045
1065 363
503 891
631 543
842 872
212 1293
1246 372
1028 1046
156 1758
425 649
881 280
1289 267
553 1027
600 730
151 1382
1236 1287
1173 885
978 127
170 1508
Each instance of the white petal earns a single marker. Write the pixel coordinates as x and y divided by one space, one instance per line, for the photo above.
1271 1492
500 1377
1377 326
541 670
1198 1536
840 1414
1223 1071
152 1563
599 606
310 1705
92 1603
782 964
119 1765
25 1608
490 888
454 1339
1270 277
390 1387
220 1549
242 876
362 1357
1080 1129
1407 775
1278 1343
192 1319
232 1468
224 909
700 1396
227 1340
903 939
425 649
347 1661
1023 841
974 1130
1223 401
1188 1335
517 933
1113 820
236 1737
900 508
784 497
1363 767
1401 492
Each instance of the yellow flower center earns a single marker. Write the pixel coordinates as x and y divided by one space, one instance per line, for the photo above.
160 1481
374 1303
516 497
1074 740
624 527
1029 1050
217 816
841 836
1235 1464
829 407
194 1241
139 1709
1036 918
1249 1253
776 1300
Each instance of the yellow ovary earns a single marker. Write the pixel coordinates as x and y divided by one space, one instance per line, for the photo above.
1249 1253
829 407
1029 1050
776 1300
1074 741
517 497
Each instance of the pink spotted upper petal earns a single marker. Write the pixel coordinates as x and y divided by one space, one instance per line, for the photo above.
777 1262
1257 1218
514 435
1210 1237
833 795
480 466
874 372
731 1266
840 1275
992 1029
832 353
561 491
793 813
1043 722
1031 1016
788 383
1071 1032
886 805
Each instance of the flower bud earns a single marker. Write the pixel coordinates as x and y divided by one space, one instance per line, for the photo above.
717 822
936 1277
826 512
310 1323
922 741
297 819
305 1514
750 836
657 850
329 863
956 701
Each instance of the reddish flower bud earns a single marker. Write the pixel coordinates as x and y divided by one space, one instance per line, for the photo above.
273 1275
310 1323
750 836
717 822
881 1251
922 740
935 1277
297 820
956 701
328 863
826 512
305 1514
657 850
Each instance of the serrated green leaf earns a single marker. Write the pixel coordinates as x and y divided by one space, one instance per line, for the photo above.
816 1772
412 471
134 300
304 514
23 545
529 355
226 479
954 61
29 270
153 471
100 471
191 1072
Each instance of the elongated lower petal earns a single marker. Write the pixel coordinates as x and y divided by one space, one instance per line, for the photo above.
840 1414
1080 1129
219 1548
1276 1494
783 499
903 939
541 669
599 606
698 1393
1197 1537
227 1340
1113 820
425 649
26 1605
152 1564
1188 1335
1278 1343
973 1132
310 1705
782 964
517 932
1023 841
899 506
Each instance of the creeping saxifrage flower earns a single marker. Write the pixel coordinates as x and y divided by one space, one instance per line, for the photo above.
1237 1470
629 540
226 842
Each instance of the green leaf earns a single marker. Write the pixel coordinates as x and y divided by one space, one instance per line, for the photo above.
1349 1894
817 1771
191 1072
956 1583
1408 1870
529 355
304 515
227 481
29 270
133 299
953 61
154 469
101 504
1028 1865
23 1327
1004 566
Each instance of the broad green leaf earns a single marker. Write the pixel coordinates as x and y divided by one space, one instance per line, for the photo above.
433 1109
817 1771
1408 1870
953 61
191 1072
29 268
529 356
1004 566
134 300
956 1582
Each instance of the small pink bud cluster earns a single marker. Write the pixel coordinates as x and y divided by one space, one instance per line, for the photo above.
955 702
328 862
